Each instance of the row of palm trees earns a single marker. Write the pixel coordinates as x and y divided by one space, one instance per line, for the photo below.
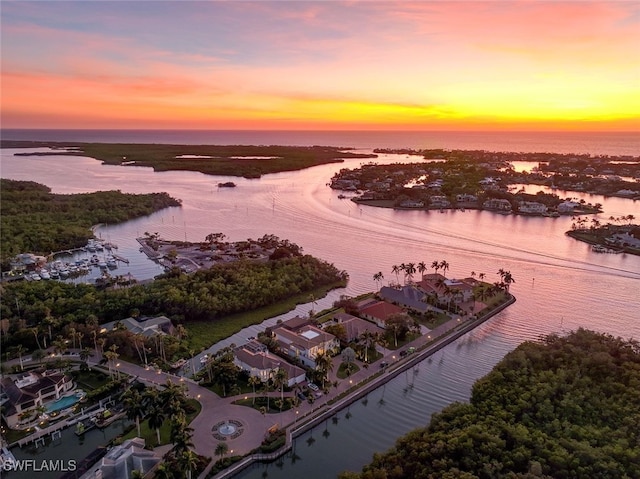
409 269
158 406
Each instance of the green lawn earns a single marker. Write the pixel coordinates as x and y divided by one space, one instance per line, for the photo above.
342 370
203 334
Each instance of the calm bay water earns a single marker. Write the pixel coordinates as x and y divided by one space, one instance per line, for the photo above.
560 283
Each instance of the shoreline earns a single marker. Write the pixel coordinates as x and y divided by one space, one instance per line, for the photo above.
425 348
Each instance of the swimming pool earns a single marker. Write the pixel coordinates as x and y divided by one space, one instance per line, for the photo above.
62 403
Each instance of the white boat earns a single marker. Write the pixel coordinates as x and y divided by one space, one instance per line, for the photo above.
111 262
6 456
102 265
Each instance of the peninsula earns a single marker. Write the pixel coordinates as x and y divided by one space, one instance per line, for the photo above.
35 220
487 181
232 160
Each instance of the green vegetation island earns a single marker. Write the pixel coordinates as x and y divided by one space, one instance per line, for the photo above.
35 220
477 180
607 175
232 160
623 237
563 407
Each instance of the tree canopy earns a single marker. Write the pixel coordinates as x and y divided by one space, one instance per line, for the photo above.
565 407
37 221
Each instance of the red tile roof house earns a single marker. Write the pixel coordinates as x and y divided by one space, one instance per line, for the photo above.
304 342
254 358
379 311
29 391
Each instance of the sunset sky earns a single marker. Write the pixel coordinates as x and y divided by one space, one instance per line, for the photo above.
443 65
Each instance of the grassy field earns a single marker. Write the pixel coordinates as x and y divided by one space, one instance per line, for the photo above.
204 334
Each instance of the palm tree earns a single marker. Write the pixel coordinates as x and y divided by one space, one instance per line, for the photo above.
444 265
436 266
323 366
369 339
396 269
85 354
181 434
422 267
378 277
134 406
508 279
281 378
410 270
156 419
481 276
19 350
254 381
163 471
35 333
72 334
187 461
111 358
221 449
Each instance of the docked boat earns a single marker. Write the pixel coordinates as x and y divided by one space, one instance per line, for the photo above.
111 262
102 264
6 458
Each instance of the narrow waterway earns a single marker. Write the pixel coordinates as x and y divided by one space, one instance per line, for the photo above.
560 283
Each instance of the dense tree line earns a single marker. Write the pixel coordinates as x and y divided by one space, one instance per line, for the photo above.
37 221
565 407
202 296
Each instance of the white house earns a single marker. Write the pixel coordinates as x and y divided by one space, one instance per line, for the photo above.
304 341
122 460
254 358
31 390
567 207
532 208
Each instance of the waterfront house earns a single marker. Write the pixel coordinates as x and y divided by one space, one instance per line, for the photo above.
466 198
28 391
443 289
304 341
145 326
412 204
255 359
123 459
408 296
497 204
567 207
439 201
532 208
379 312
354 326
